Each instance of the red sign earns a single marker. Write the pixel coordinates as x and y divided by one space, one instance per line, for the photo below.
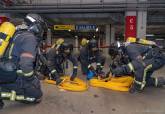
3 19
130 26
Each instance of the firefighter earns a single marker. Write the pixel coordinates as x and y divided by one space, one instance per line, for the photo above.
17 78
57 56
89 54
144 60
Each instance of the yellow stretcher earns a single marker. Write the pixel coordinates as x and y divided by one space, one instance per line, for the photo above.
114 83
76 85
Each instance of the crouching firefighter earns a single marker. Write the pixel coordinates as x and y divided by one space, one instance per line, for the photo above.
144 60
56 57
17 79
90 53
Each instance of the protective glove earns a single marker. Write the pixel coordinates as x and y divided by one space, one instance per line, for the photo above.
56 77
90 67
101 74
108 74
59 81
99 70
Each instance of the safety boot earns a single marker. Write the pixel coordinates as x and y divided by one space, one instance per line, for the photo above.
1 101
1 104
59 81
135 88
160 81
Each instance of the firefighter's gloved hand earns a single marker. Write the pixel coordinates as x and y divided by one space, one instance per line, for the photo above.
90 67
56 77
59 81
99 70
101 75
72 78
108 74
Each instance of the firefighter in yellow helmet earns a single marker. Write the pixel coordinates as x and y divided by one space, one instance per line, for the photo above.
84 42
58 42
89 54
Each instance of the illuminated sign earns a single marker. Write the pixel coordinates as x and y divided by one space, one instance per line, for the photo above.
64 27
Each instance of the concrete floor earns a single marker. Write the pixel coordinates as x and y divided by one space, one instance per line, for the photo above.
93 101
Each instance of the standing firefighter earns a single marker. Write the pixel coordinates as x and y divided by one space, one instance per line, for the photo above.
57 56
17 79
144 60
89 54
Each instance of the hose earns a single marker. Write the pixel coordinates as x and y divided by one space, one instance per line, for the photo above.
77 85
115 83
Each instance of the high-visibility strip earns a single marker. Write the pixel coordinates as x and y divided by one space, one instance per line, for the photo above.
156 82
20 97
27 54
30 99
75 67
89 65
98 64
131 67
12 96
28 74
57 47
102 66
31 19
145 72
5 94
53 71
25 74
10 50
142 84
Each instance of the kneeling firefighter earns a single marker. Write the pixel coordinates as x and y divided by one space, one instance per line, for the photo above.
17 79
89 54
144 58
57 56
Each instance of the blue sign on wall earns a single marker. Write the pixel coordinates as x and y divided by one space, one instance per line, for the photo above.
86 27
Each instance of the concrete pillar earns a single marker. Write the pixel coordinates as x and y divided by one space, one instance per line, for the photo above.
130 13
141 21
49 38
107 38
141 24
112 33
